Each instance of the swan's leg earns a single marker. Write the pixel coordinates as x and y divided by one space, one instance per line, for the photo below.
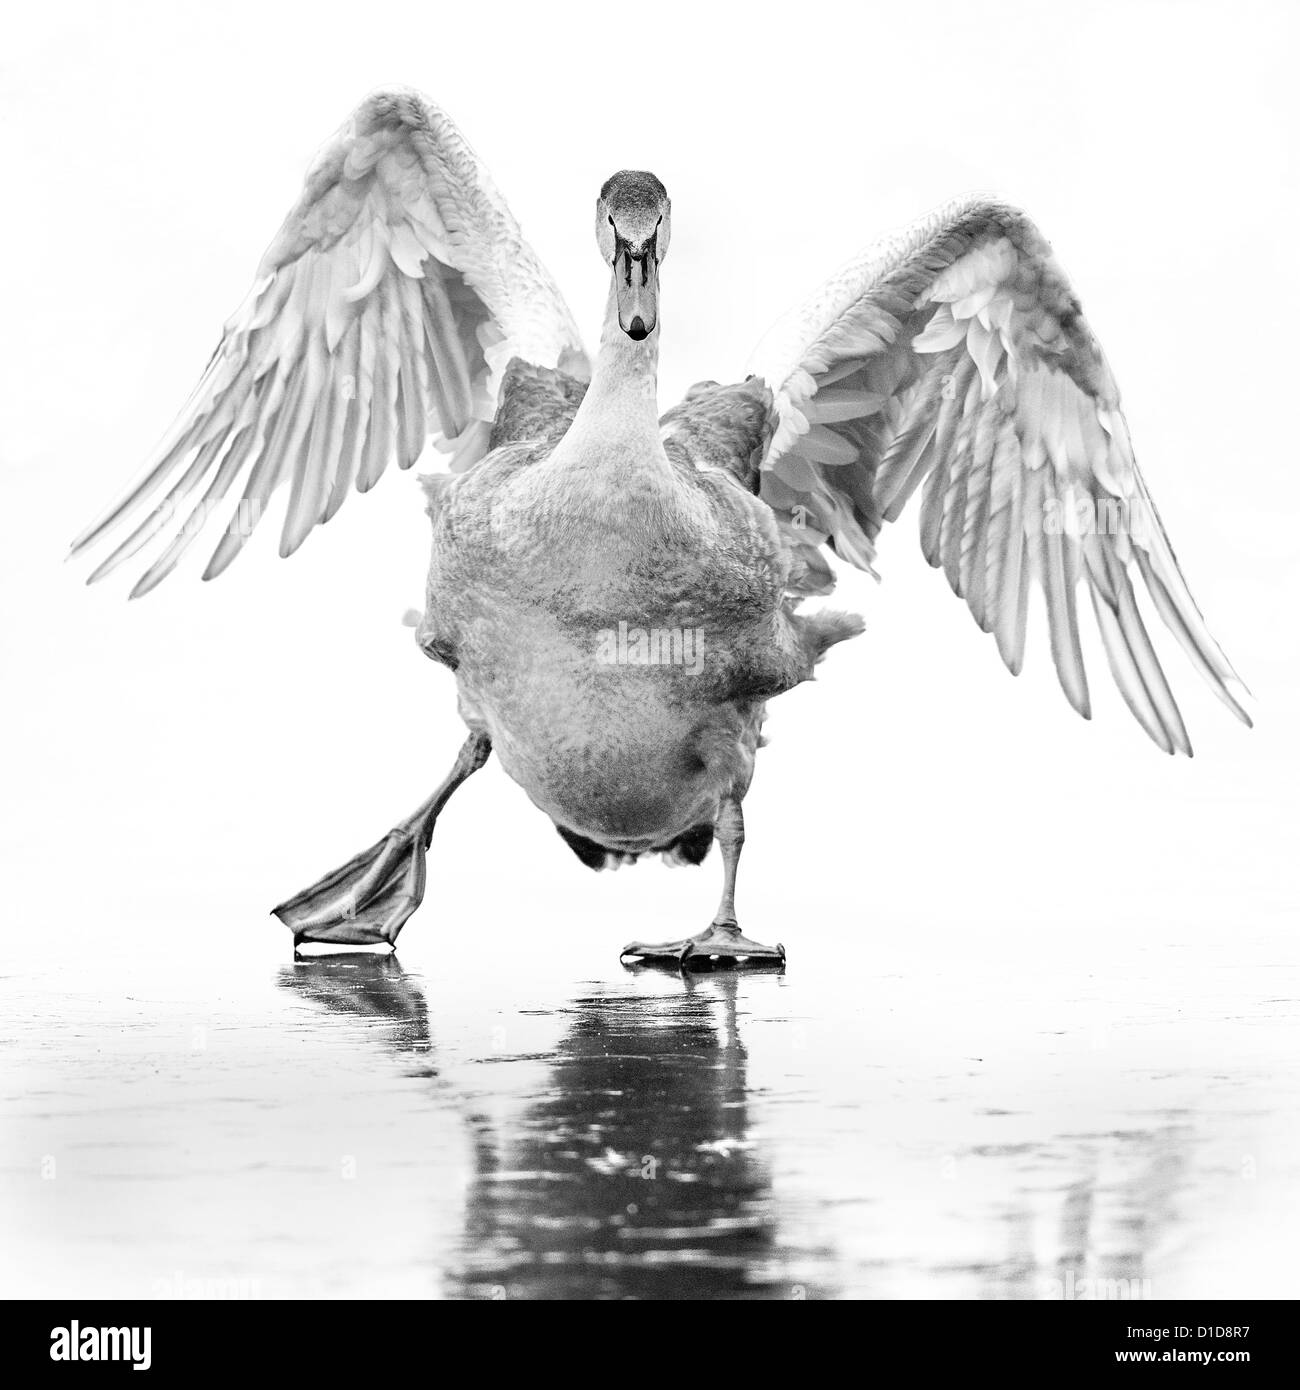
723 940
369 899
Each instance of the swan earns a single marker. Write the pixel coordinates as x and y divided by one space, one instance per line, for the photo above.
618 592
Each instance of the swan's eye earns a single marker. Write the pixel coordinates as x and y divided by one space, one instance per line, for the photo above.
611 219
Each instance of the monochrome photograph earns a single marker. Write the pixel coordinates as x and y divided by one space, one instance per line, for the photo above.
608 614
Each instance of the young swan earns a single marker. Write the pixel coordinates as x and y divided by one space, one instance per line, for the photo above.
611 588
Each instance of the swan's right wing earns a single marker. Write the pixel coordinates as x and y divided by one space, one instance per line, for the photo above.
385 311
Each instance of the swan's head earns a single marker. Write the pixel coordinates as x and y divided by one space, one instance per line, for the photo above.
633 222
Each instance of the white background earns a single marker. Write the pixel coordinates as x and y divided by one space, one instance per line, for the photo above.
175 766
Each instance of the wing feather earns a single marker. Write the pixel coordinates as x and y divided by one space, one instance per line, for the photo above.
241 445
1059 580
954 358
370 327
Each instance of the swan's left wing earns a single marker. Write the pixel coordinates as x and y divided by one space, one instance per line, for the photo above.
385 312
956 356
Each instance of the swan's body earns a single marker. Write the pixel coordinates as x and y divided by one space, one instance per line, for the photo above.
616 592
544 549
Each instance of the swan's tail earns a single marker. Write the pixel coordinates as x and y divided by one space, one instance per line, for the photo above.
688 848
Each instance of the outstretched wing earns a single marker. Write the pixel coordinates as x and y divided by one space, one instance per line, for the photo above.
386 310
956 356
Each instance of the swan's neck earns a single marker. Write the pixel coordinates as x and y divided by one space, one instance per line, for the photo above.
618 419
610 472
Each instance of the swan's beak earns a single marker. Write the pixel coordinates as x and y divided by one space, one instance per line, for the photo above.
636 283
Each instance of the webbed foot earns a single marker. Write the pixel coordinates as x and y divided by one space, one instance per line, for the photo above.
719 945
368 901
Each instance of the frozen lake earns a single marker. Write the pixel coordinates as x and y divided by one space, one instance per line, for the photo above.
905 1118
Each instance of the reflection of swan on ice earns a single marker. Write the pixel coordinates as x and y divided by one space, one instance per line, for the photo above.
632 1173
